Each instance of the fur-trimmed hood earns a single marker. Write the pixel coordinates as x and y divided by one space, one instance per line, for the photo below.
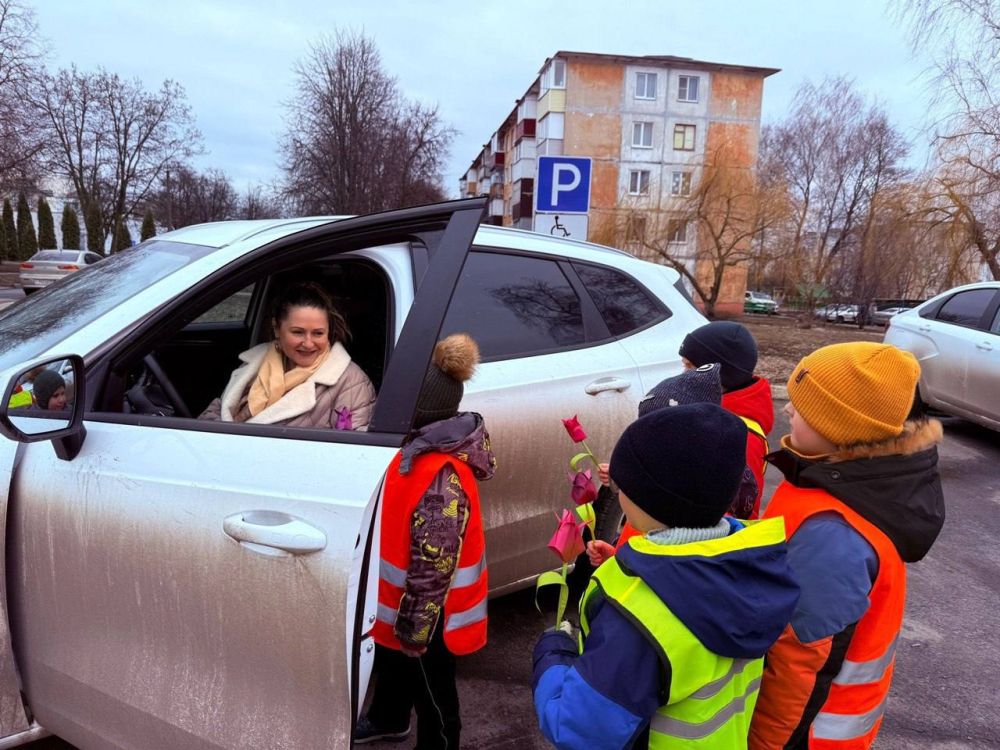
300 400
894 484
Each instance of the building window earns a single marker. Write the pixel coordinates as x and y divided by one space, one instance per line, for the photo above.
680 183
638 182
635 228
642 135
677 230
683 137
645 85
558 74
687 89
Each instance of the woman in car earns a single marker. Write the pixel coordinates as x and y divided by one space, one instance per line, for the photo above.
304 377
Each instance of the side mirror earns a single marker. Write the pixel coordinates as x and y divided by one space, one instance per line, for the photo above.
45 402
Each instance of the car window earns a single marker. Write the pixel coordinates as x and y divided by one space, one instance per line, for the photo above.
90 258
966 308
624 305
61 256
995 328
514 306
231 310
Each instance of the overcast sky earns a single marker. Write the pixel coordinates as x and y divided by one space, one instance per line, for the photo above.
474 59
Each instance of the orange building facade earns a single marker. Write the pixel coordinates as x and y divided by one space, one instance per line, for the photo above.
647 124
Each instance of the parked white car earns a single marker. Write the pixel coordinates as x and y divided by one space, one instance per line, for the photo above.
47 266
956 337
181 583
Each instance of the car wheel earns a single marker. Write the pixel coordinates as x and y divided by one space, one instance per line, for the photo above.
840 319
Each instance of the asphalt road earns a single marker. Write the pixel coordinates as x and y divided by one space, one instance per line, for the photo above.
947 667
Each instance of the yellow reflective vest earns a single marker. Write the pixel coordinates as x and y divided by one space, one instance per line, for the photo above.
711 697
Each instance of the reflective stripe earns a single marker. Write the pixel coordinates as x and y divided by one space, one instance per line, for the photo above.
865 672
391 574
827 726
714 688
470 574
468 617
466 576
386 614
687 731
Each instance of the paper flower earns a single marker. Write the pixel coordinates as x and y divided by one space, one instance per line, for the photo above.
583 490
567 542
574 429
345 420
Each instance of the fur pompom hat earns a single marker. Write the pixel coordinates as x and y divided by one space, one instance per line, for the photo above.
454 361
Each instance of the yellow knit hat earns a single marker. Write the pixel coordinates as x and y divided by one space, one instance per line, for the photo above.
858 392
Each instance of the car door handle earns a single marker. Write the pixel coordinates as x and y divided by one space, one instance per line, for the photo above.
985 346
607 384
924 328
271 532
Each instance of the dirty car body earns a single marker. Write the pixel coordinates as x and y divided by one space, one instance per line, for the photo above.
182 583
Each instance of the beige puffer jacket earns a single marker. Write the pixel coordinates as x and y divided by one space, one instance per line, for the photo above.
336 384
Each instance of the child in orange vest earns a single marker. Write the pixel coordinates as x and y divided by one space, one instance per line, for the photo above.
432 572
861 497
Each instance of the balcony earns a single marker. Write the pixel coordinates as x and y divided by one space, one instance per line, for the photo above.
523 168
525 129
496 207
496 190
494 160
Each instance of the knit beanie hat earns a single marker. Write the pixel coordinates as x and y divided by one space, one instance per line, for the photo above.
46 383
698 386
727 343
454 361
683 465
858 392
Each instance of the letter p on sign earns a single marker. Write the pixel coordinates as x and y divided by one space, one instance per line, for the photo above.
563 184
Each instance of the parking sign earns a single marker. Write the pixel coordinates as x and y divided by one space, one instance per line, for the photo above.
563 184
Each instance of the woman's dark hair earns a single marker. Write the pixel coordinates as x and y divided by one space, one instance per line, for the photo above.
310 294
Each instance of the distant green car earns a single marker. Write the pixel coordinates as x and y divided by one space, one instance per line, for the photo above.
758 302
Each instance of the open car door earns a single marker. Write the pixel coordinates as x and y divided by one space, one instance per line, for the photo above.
179 583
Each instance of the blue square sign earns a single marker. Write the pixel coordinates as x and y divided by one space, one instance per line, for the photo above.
563 184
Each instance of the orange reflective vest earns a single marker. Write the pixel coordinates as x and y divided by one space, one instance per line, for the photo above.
852 713
464 619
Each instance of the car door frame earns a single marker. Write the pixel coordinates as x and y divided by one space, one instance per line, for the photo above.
411 350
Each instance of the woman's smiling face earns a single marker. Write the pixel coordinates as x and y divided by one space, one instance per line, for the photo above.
304 335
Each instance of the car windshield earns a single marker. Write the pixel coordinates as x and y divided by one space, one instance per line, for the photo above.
59 255
39 322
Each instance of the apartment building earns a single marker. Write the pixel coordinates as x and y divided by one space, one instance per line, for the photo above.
646 123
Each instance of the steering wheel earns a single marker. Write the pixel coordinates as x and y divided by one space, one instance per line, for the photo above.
169 390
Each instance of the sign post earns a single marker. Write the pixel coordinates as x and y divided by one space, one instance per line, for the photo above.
562 196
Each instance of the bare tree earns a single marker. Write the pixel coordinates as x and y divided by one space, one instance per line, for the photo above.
22 138
186 197
260 202
726 211
353 144
113 139
965 35
839 153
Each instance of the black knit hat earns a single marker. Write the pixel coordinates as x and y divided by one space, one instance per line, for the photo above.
44 385
683 465
454 361
698 386
727 343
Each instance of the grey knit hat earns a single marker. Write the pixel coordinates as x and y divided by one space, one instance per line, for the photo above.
454 361
698 386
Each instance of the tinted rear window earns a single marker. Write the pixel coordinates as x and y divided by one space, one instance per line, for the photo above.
966 308
41 321
624 305
515 306
62 256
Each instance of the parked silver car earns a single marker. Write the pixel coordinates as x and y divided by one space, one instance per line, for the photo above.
956 337
883 316
183 583
47 266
